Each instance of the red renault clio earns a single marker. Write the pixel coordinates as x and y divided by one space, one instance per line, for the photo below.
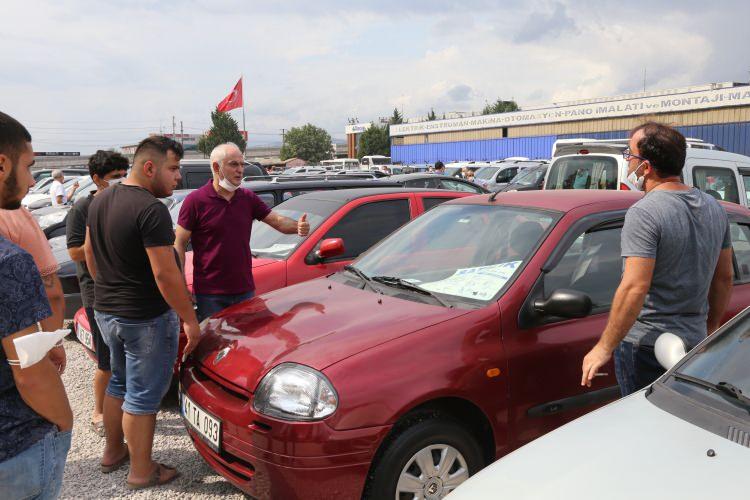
452 342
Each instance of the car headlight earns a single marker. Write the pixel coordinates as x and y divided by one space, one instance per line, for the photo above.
46 221
295 392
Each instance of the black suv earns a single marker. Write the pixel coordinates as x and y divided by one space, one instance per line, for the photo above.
195 173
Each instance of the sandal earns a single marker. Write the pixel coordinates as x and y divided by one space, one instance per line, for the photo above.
106 469
98 428
156 478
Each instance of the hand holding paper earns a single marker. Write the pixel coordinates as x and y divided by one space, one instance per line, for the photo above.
32 348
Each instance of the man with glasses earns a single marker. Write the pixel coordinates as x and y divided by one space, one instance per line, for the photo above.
218 219
678 267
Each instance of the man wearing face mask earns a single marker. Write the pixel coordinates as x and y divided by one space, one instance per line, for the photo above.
106 168
678 267
218 219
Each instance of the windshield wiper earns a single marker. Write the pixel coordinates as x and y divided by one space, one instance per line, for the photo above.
358 273
725 388
407 285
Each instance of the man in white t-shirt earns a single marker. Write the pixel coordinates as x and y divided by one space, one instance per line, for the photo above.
57 190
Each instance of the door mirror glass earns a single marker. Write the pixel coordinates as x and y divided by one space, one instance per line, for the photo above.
331 247
565 303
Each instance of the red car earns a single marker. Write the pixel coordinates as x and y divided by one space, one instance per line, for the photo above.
343 224
454 341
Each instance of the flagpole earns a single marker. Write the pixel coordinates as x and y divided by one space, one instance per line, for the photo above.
244 129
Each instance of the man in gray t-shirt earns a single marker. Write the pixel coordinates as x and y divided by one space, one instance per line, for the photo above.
677 263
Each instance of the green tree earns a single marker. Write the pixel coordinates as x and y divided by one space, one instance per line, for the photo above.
500 106
224 129
310 143
431 115
396 118
375 141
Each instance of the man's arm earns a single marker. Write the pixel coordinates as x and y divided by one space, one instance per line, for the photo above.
720 291
72 190
40 385
171 284
627 304
88 251
181 239
77 254
288 226
56 298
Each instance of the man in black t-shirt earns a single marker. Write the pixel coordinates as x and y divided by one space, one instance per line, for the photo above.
106 168
139 293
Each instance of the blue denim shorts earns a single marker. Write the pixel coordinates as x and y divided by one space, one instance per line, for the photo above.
37 472
142 356
636 367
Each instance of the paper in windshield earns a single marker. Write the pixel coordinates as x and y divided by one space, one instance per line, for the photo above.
276 248
480 283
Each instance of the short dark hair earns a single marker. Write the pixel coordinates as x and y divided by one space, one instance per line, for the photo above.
13 137
663 146
103 162
159 145
439 165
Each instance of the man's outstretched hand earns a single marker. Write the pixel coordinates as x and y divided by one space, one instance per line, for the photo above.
595 359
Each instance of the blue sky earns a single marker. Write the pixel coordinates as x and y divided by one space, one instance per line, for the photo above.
88 74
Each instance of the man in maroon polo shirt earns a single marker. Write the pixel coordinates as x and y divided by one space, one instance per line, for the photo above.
218 218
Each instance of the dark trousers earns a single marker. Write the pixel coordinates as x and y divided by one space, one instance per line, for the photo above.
636 367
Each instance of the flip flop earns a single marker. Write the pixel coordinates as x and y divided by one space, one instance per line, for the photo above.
155 479
106 469
98 428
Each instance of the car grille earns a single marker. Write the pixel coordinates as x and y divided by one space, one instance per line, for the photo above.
738 436
235 392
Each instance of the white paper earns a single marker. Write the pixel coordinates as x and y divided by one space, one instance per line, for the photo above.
276 248
32 348
480 283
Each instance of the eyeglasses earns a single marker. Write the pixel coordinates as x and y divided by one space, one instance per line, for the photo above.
627 155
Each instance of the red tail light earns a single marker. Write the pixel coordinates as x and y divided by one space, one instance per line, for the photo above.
624 187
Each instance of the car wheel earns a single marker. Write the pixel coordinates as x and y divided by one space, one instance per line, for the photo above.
427 460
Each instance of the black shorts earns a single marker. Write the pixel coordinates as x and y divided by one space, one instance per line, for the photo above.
100 347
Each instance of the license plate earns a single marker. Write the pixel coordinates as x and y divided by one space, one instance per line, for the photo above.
85 337
205 424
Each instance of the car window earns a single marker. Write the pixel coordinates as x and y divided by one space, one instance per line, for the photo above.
506 174
459 186
741 247
194 180
746 181
718 182
583 172
427 183
367 224
591 265
430 203
268 198
291 193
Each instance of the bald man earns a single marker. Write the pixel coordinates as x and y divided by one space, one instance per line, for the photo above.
218 218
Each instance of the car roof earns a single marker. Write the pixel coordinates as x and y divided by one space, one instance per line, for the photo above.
310 183
346 195
561 200
419 175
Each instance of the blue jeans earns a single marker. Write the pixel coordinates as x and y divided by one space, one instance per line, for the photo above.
208 305
36 472
635 367
142 356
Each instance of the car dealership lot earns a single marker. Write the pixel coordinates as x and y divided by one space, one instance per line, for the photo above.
172 446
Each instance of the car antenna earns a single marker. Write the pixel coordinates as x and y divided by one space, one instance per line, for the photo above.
494 194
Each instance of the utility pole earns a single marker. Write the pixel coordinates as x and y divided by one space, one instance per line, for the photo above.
644 79
283 136
182 135
173 128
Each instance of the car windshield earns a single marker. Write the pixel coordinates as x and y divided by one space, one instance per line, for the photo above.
380 161
529 176
485 173
452 170
583 172
724 359
269 243
463 253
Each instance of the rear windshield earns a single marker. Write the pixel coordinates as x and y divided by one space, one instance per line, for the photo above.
583 172
485 173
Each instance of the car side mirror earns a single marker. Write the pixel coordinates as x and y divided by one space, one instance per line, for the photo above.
329 248
565 303
669 349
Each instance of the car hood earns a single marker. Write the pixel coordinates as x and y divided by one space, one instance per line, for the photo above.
315 323
628 449
189 267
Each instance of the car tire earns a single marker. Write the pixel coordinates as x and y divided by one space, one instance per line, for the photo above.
431 435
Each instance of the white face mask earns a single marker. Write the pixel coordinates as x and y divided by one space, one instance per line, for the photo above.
113 182
32 348
224 183
634 179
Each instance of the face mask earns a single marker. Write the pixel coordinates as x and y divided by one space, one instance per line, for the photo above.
224 183
113 182
634 179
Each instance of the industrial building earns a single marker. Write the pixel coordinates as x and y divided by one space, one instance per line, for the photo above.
718 113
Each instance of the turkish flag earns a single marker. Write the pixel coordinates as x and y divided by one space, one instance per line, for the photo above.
233 100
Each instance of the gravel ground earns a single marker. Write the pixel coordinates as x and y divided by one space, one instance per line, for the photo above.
172 446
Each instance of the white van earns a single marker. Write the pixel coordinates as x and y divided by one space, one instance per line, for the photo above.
341 164
375 162
591 164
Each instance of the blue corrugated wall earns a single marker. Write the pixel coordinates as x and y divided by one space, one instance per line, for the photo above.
734 137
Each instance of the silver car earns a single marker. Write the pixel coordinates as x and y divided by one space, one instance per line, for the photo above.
687 436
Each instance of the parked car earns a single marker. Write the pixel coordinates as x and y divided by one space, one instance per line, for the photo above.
711 170
500 174
304 170
694 422
40 198
44 173
451 343
528 179
434 181
196 173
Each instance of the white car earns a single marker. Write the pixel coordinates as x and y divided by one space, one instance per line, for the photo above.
687 436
